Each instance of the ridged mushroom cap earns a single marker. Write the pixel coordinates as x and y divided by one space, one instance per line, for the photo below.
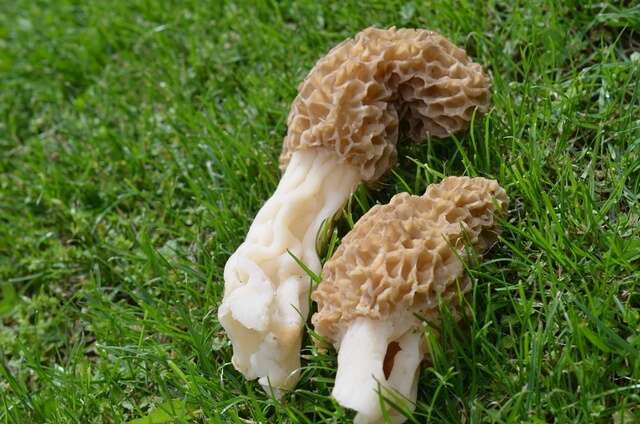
407 253
364 92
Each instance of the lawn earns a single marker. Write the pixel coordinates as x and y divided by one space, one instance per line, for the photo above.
139 138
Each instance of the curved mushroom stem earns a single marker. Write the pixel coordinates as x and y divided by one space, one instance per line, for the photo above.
266 293
369 365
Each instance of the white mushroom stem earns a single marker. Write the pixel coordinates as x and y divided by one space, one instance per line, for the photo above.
361 362
266 292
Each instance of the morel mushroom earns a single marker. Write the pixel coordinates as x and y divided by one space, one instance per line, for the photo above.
342 130
399 262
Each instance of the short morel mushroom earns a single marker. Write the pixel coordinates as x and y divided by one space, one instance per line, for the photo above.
342 130
401 261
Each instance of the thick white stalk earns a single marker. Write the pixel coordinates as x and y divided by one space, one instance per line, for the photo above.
360 365
361 361
265 302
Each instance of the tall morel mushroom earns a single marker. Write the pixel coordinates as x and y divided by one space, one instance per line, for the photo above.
399 262
342 130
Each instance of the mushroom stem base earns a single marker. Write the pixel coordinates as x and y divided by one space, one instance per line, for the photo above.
361 379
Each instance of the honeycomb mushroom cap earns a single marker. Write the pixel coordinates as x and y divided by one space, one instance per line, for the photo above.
406 254
356 99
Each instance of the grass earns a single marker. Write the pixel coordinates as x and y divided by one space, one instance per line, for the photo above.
138 139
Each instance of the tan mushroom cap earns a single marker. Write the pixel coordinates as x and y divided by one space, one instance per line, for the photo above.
406 254
357 99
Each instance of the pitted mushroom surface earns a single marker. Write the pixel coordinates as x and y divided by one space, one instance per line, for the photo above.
400 260
356 99
343 129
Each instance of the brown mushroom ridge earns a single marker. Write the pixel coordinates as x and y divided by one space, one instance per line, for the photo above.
408 253
355 98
